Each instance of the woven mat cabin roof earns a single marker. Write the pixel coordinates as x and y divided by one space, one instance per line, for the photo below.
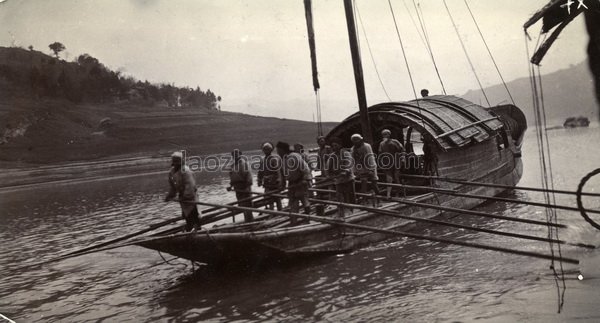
452 121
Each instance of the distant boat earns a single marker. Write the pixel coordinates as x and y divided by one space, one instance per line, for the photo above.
575 122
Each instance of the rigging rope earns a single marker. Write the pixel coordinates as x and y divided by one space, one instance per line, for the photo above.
371 54
489 52
466 53
546 169
406 62
415 25
429 49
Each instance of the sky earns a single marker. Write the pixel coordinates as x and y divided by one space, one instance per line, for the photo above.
255 55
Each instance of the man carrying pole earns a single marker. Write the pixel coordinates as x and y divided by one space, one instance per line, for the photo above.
183 185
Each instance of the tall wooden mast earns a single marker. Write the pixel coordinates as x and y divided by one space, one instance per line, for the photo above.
358 73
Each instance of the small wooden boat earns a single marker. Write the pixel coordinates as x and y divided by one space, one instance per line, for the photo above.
470 142
576 122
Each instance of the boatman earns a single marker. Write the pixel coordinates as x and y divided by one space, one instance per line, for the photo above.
364 164
299 148
241 182
390 157
340 171
297 174
270 175
323 155
424 93
183 186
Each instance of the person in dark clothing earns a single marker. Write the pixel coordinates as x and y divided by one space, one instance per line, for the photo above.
270 175
341 172
241 181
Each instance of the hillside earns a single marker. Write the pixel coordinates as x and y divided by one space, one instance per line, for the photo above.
567 92
41 128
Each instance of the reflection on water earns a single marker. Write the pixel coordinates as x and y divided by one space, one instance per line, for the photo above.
396 280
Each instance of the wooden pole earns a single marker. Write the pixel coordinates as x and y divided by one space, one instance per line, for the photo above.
358 73
492 198
450 224
508 187
341 223
459 211
206 219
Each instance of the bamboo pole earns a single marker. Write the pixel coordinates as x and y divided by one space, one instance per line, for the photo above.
397 214
493 198
460 211
206 219
341 223
474 183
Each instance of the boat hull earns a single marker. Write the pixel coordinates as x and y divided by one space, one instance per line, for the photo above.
484 162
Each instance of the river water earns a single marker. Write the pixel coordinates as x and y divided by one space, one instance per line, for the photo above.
398 280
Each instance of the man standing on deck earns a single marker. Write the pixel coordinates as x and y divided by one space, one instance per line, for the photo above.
322 154
241 181
297 174
364 164
340 171
183 185
270 175
322 164
390 154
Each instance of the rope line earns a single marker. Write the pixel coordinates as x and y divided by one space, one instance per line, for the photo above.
406 62
429 49
546 170
371 54
489 52
416 27
466 53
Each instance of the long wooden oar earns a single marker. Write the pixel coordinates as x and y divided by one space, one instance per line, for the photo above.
492 198
475 183
460 211
450 224
205 219
341 223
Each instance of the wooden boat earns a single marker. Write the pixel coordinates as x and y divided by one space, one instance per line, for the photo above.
470 142
576 122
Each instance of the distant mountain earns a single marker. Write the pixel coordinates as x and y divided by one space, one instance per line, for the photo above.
567 92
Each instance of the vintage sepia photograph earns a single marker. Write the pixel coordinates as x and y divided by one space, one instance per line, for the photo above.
299 160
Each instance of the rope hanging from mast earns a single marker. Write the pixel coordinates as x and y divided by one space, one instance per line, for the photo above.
412 84
543 143
489 52
362 26
426 35
313 60
466 53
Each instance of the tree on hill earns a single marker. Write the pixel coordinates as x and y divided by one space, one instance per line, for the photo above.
57 47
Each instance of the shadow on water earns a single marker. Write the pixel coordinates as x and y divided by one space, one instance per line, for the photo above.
397 278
